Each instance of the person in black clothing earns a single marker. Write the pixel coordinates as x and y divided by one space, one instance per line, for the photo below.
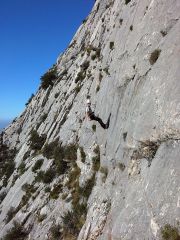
91 116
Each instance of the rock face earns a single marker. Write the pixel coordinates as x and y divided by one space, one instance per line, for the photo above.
75 180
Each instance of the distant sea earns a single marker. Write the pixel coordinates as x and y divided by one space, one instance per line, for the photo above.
4 124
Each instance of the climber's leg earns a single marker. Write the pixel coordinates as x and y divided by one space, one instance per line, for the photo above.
103 125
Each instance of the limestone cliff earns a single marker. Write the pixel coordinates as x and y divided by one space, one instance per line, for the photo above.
64 177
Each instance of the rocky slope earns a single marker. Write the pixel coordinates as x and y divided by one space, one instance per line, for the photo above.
64 177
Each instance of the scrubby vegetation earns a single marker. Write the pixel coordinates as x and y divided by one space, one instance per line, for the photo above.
37 165
29 190
10 214
80 76
83 155
127 1
104 171
17 232
97 88
2 196
55 232
111 45
22 168
147 149
49 77
121 166
131 27
95 50
94 128
169 232
43 117
154 56
36 141
7 164
30 99
57 188
96 159
46 177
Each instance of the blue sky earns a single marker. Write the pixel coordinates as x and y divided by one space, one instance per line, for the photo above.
33 34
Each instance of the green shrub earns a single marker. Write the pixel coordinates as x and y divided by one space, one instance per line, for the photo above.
163 33
80 76
84 21
39 176
170 233
55 232
30 99
29 189
100 77
121 166
57 189
97 88
78 88
17 232
36 141
43 117
154 56
93 57
22 168
124 136
41 217
96 159
127 1
37 165
2 196
94 127
86 190
96 51
73 221
60 164
8 169
57 152
48 150
83 155
26 155
10 214
104 171
70 152
111 45
56 95
48 176
131 27
106 70
48 78
120 21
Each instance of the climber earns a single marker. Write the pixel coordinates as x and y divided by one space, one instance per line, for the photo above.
90 115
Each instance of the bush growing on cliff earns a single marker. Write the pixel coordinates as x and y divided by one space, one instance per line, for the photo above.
73 221
96 159
7 164
36 141
55 232
60 154
30 99
22 168
10 214
46 177
170 233
127 1
17 232
2 196
37 165
111 45
154 56
48 78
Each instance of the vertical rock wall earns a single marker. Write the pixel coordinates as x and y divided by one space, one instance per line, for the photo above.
125 56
